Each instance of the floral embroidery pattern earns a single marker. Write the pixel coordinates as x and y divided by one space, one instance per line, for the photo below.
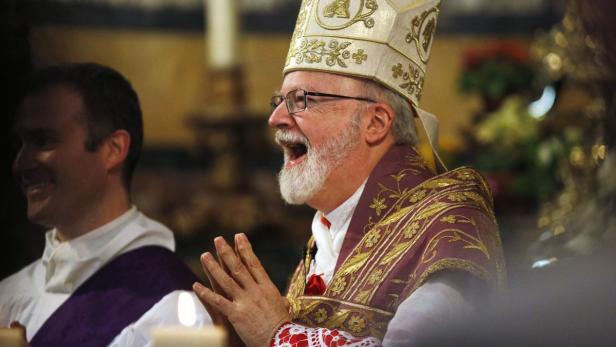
299 29
334 52
375 276
378 204
338 286
449 219
320 315
456 235
295 335
357 323
411 230
456 197
372 238
412 78
359 56
348 302
419 195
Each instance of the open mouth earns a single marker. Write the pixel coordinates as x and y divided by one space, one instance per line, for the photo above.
295 147
33 183
296 150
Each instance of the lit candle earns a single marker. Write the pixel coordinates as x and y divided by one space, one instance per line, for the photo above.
10 338
222 32
187 335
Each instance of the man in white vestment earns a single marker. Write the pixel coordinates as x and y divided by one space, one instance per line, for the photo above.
108 274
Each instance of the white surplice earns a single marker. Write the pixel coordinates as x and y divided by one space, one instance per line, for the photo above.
31 295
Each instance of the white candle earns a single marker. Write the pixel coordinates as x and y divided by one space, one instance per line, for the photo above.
222 32
10 338
187 335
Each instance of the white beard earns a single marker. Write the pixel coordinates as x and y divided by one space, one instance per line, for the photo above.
301 182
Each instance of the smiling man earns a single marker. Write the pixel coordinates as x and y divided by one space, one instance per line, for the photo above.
108 273
396 249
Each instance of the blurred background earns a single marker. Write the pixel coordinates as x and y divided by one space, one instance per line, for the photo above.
523 89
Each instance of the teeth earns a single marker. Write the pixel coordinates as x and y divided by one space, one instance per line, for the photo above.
36 185
294 144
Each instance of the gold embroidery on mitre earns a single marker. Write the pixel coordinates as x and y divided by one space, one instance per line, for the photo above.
367 24
336 14
422 32
359 56
339 8
313 51
412 79
300 26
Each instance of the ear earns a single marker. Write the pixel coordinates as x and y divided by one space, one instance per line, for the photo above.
116 149
380 121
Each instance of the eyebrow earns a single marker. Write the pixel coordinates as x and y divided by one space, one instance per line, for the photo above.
33 132
307 87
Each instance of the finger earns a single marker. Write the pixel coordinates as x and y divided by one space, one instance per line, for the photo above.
213 300
217 317
226 284
237 270
250 260
213 284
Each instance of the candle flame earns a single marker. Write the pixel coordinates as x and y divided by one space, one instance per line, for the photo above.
186 309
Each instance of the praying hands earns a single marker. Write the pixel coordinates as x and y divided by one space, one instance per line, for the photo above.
242 292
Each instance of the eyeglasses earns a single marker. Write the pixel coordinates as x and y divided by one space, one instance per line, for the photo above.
297 100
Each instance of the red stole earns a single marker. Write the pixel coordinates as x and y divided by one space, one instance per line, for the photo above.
408 225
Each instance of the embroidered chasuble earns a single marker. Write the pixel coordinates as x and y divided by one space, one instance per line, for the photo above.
114 297
408 225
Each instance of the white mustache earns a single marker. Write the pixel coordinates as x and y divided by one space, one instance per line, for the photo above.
286 137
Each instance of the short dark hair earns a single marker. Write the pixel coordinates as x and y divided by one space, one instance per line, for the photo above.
111 103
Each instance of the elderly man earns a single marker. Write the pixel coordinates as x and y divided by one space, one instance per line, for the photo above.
395 248
108 273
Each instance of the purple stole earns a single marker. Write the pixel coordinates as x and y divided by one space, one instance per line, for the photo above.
114 297
408 225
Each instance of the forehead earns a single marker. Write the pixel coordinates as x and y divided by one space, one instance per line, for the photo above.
318 81
52 106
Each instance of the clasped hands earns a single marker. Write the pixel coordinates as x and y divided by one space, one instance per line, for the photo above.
243 297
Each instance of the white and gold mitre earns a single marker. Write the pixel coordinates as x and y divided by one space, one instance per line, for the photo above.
388 41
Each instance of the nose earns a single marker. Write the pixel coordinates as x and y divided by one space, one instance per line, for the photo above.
24 160
280 118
